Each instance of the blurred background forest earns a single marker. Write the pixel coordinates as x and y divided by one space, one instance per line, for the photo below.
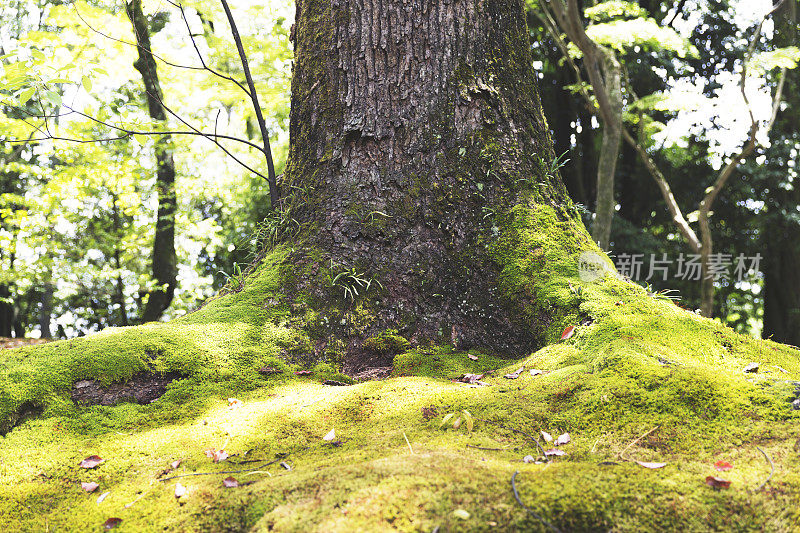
688 87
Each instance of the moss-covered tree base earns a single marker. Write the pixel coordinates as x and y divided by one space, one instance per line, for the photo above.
643 366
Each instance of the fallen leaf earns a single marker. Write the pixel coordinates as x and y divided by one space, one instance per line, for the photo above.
473 357
230 482
751 368
568 332
535 372
446 418
303 373
723 466
555 451
91 462
176 464
457 423
180 490
651 465
547 436
286 465
515 375
470 378
102 497
216 455
111 523
717 482
469 420
528 459
269 370
89 487
330 436
461 513
234 403
562 439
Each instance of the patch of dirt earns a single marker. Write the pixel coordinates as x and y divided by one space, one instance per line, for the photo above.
6 343
142 388
382 372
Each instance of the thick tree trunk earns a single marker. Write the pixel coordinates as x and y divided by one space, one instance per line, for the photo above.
414 127
164 262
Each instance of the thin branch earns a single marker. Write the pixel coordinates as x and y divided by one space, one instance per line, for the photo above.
200 56
531 511
274 194
772 471
158 57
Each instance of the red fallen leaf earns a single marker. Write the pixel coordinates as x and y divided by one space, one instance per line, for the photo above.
234 403
562 439
303 373
230 482
473 357
723 466
111 523
89 487
717 482
176 464
91 462
555 451
651 465
568 332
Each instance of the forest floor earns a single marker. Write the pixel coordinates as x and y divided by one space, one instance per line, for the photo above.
7 343
655 423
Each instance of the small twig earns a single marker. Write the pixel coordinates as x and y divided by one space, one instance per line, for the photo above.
519 501
487 449
634 441
409 444
221 471
546 458
772 471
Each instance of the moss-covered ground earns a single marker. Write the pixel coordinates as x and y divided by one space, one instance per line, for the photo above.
640 379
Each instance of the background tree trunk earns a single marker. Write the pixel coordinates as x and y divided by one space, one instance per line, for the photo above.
609 153
415 127
164 262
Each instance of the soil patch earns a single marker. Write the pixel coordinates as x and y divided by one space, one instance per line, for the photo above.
142 388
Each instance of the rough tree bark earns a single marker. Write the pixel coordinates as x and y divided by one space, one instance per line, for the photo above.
164 262
414 126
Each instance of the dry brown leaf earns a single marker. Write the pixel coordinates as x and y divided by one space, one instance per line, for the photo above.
473 357
331 436
90 486
111 523
564 438
651 465
91 462
555 451
567 333
547 436
717 482
102 497
180 490
175 464
230 482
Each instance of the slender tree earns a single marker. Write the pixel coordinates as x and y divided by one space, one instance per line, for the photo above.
164 261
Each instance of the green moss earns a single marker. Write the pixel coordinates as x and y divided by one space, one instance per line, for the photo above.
642 367
387 343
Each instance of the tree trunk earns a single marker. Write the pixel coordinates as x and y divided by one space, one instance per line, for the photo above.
164 262
46 311
415 130
609 153
6 311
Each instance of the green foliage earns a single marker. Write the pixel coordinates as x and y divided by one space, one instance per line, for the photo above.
784 58
605 11
350 281
623 35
